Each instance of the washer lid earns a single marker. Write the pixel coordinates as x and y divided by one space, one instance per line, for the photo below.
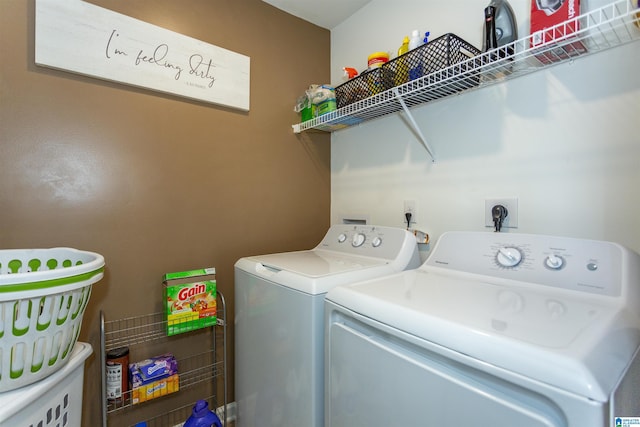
579 343
314 271
316 263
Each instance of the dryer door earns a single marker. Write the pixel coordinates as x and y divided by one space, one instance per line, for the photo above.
375 378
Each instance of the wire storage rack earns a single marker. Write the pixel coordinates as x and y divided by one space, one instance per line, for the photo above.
198 371
607 27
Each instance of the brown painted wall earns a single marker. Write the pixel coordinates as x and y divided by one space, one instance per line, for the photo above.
158 183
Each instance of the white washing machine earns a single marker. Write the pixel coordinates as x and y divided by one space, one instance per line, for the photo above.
279 321
492 330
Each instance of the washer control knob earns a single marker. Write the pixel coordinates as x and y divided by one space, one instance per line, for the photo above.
376 242
508 257
554 262
358 240
342 237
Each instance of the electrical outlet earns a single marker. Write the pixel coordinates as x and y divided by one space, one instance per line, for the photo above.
511 221
410 207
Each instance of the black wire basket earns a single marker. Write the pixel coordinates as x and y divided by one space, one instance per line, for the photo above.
365 85
433 56
436 55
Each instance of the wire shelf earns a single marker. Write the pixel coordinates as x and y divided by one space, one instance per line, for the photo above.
604 28
137 330
196 369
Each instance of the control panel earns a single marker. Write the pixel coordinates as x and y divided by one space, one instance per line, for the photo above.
369 240
568 263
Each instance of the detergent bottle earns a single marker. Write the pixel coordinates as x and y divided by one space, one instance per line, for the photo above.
402 72
404 47
201 416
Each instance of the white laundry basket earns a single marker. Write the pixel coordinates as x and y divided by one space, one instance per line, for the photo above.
43 296
55 401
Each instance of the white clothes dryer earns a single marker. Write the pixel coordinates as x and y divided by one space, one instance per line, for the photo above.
279 321
492 330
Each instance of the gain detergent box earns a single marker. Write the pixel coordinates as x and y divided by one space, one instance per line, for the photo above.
190 298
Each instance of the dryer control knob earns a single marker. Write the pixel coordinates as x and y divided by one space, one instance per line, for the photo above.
376 242
508 257
342 237
554 262
358 240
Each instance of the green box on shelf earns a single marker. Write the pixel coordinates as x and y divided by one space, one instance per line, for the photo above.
190 300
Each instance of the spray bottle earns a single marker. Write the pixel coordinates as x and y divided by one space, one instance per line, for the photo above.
415 40
350 72
416 69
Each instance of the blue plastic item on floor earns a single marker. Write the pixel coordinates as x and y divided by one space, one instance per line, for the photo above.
201 416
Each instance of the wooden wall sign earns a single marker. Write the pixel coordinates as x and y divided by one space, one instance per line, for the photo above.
80 37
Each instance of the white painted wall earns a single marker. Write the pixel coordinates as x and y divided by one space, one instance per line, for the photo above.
564 141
